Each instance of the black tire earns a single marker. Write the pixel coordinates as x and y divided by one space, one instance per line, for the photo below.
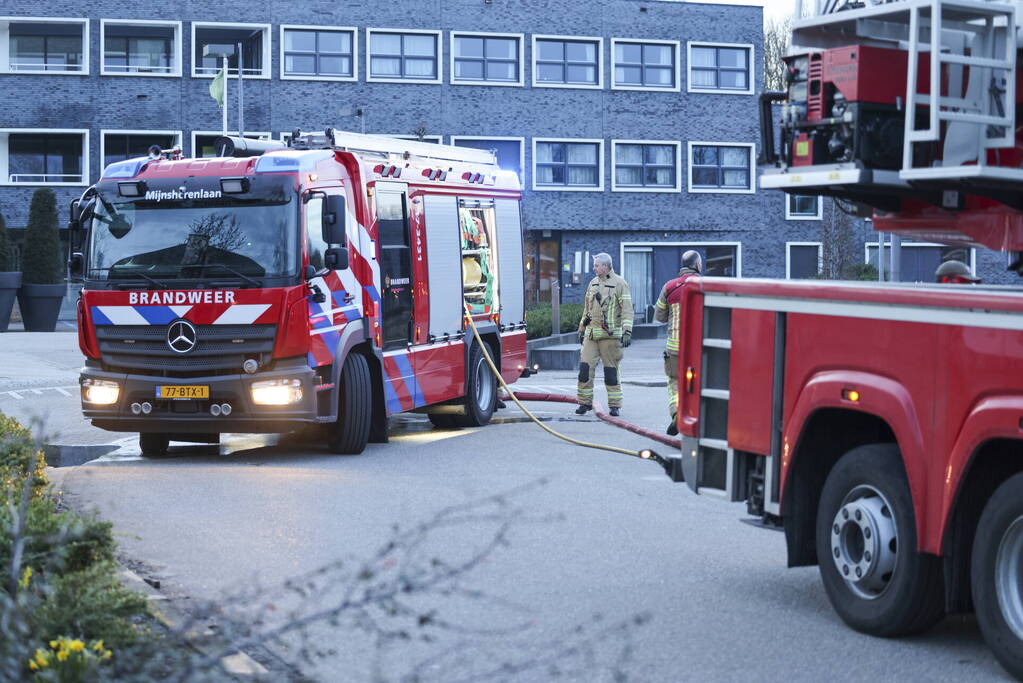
997 574
866 524
480 391
349 434
153 445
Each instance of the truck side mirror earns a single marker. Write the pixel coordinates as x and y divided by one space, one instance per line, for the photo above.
334 220
76 265
336 258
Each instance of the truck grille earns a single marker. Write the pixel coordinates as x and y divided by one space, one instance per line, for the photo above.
218 348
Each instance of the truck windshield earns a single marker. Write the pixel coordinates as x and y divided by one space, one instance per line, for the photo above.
186 233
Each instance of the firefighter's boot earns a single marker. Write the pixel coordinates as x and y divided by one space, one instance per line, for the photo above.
583 409
672 429
614 412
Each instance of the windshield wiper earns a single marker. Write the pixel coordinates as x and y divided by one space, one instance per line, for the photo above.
158 283
203 266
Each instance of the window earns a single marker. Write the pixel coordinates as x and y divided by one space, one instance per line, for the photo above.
568 62
44 157
509 151
568 164
646 266
140 48
318 53
919 260
44 45
803 260
720 167
720 68
315 246
403 56
118 145
486 59
645 166
435 139
801 207
651 65
255 52
202 141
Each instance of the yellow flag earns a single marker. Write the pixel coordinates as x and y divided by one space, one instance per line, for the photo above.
217 87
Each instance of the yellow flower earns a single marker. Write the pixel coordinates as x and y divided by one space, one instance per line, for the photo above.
98 646
107 654
32 664
54 644
42 658
62 655
76 646
26 576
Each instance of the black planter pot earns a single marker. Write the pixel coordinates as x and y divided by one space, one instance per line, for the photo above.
40 306
9 283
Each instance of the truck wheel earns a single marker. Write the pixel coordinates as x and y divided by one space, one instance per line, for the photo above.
348 436
153 445
481 391
866 547
997 574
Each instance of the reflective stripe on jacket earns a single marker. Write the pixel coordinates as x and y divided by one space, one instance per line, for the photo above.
670 313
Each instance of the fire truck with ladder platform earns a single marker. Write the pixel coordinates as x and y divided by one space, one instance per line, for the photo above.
880 425
322 283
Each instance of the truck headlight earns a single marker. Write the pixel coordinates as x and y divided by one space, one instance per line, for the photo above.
100 392
276 392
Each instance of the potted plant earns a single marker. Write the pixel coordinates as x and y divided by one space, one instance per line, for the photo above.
42 277
10 279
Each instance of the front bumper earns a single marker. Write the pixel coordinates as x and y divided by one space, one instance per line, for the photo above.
193 416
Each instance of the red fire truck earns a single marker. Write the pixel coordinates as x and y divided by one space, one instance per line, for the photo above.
881 425
274 287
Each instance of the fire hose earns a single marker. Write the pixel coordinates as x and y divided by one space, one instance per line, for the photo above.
645 454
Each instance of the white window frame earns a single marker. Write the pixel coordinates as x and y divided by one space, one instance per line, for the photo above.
176 48
680 243
647 88
5 44
434 139
750 76
103 133
751 146
677 188
520 37
521 141
438 35
267 53
337 29
789 216
262 135
5 157
599 40
556 188
910 245
788 256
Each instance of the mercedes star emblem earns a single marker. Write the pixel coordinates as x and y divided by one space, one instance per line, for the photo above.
181 336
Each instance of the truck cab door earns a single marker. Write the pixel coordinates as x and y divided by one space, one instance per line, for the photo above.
395 245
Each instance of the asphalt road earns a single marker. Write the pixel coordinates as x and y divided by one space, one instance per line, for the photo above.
595 540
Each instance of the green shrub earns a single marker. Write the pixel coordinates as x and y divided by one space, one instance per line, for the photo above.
92 604
6 248
862 271
18 457
40 261
538 319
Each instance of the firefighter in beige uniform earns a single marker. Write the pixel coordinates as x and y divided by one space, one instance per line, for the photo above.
668 312
605 328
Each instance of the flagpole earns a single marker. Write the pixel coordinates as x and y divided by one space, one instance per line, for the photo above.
224 107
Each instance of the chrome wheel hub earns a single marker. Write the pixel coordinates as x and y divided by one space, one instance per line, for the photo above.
1009 576
864 542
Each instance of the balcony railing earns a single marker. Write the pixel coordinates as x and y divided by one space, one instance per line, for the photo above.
35 178
44 66
231 71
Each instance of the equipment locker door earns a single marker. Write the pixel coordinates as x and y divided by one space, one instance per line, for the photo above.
395 264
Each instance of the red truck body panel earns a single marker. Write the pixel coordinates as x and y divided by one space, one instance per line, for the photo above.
941 365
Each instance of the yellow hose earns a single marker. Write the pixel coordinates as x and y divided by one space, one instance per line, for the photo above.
644 454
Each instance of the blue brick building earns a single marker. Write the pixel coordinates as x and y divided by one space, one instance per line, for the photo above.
632 123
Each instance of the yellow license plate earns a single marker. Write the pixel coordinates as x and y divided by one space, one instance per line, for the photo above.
176 392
